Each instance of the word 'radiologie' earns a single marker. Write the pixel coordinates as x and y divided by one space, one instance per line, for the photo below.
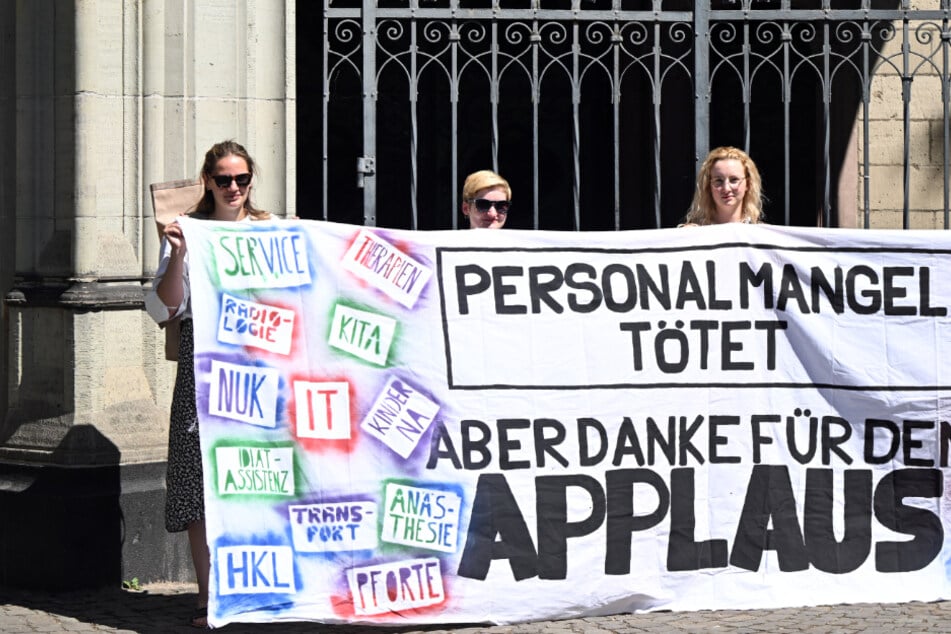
245 322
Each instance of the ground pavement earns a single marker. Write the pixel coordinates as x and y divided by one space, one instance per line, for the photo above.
166 608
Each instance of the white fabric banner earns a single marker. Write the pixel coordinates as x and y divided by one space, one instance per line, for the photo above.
497 426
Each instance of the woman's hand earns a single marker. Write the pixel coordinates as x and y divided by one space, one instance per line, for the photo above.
171 288
176 239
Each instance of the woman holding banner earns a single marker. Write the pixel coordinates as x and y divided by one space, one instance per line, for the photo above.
486 199
227 175
729 189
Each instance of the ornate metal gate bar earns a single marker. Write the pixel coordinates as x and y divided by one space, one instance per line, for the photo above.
588 105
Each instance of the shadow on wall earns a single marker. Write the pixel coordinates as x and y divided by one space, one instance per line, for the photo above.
61 528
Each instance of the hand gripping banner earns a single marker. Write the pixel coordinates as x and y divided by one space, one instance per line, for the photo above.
498 426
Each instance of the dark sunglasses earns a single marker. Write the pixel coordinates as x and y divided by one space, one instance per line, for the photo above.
484 205
224 180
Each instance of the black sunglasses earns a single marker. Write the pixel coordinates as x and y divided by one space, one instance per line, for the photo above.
484 205
224 180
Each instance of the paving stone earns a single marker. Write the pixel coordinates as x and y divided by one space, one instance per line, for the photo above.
166 607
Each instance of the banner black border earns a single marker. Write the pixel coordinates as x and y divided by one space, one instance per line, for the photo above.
672 384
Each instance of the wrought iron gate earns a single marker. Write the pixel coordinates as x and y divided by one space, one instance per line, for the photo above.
599 111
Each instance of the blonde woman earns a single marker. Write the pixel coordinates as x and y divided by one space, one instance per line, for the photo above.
486 200
729 189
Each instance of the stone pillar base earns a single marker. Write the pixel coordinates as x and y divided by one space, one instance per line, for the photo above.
70 528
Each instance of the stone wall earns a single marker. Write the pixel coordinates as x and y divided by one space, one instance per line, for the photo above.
102 98
925 131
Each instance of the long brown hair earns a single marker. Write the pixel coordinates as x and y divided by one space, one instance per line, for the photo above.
206 205
703 210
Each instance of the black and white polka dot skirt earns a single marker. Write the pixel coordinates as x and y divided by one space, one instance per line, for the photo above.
184 497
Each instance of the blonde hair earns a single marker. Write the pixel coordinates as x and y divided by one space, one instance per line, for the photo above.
484 179
703 210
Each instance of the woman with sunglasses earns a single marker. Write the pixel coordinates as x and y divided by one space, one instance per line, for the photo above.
486 199
226 174
729 189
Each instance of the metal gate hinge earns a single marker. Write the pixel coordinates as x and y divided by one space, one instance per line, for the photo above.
366 166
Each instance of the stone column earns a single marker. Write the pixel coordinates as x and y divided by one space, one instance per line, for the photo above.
107 96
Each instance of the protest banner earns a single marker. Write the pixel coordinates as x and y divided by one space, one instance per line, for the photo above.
498 426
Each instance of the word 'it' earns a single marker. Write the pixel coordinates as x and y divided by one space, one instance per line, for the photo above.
322 409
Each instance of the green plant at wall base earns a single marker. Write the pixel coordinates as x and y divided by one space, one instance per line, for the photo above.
132 585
